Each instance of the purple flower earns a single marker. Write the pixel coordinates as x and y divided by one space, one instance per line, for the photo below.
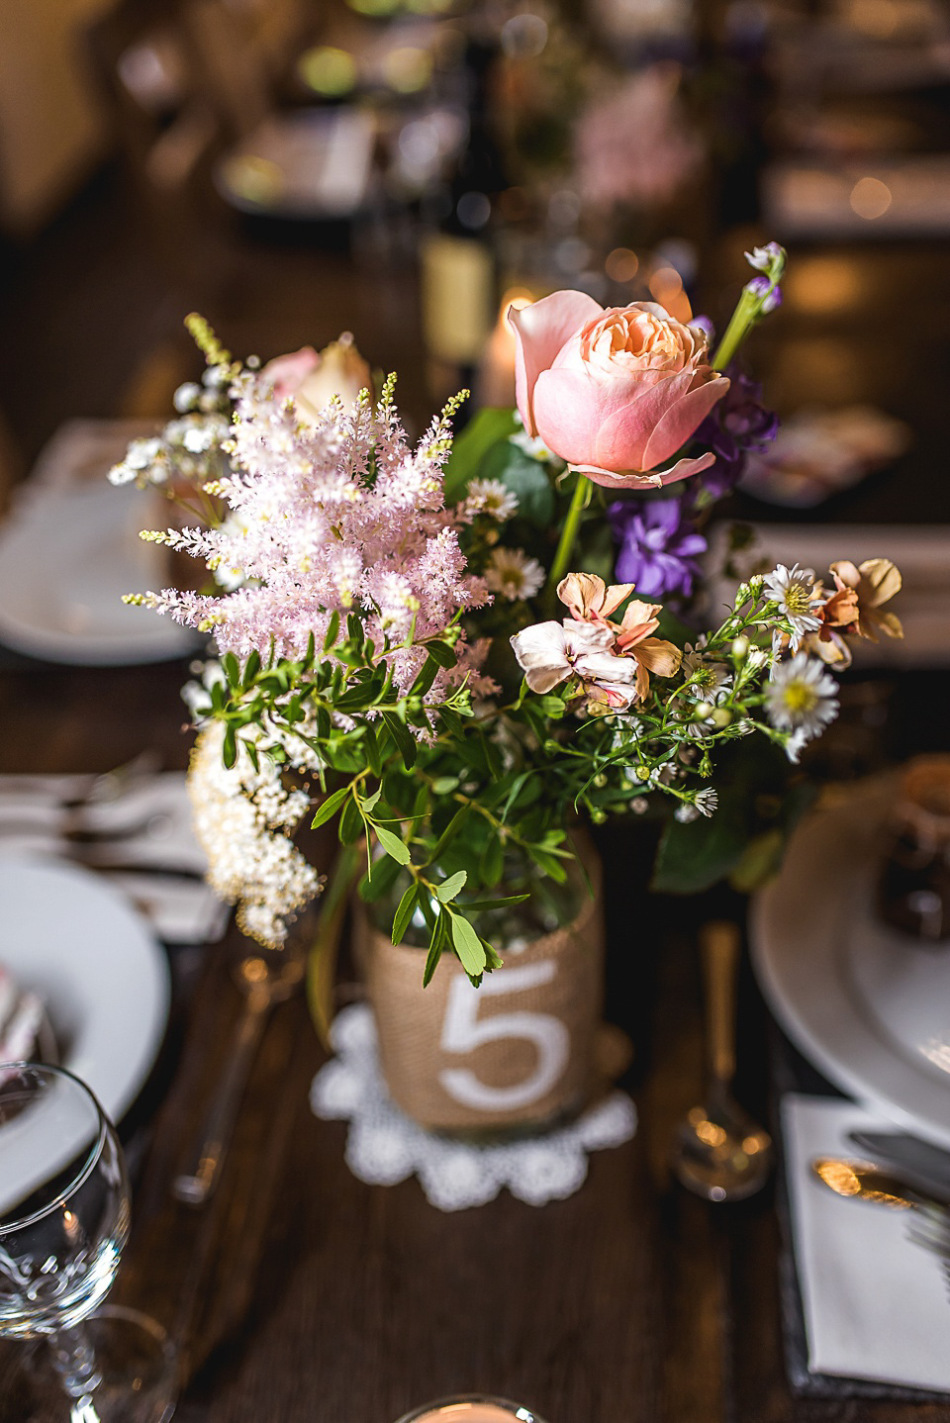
739 423
658 546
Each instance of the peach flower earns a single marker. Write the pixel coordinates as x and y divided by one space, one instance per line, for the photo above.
615 393
312 378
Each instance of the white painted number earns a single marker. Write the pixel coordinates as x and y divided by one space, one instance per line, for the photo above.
463 1031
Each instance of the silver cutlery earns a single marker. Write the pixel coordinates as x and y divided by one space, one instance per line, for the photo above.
859 1180
929 1218
925 1165
719 1151
265 979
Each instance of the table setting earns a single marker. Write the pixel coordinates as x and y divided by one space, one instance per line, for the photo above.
473 884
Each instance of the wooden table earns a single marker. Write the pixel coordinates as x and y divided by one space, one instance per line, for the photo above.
313 1298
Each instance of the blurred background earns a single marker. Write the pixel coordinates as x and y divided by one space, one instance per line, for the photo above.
404 168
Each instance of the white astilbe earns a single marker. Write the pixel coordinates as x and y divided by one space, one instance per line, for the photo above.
338 516
243 820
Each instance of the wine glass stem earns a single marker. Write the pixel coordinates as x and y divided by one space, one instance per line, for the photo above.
75 1362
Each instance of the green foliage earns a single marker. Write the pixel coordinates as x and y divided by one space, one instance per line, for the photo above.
485 430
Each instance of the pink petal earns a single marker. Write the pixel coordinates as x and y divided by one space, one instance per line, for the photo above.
679 422
540 331
635 479
566 412
624 435
287 373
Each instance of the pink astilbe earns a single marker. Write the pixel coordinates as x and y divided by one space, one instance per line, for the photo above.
340 515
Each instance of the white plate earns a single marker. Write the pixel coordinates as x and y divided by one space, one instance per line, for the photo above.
67 555
823 963
104 978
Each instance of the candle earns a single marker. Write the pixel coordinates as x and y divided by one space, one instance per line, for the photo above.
472 1410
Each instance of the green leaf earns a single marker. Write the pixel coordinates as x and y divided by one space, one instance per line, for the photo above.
449 833
492 864
468 946
478 906
229 750
333 631
423 683
370 801
393 845
441 653
352 825
232 669
328 808
404 912
486 428
550 864
436 945
494 958
449 888
251 668
527 478
445 785
404 742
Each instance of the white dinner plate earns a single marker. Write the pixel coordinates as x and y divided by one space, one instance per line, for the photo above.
73 938
869 1007
67 556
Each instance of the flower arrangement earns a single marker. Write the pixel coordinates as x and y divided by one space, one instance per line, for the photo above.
426 644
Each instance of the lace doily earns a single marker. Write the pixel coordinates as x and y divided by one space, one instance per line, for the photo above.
385 1147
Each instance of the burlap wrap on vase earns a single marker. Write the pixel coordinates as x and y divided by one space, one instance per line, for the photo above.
516 1051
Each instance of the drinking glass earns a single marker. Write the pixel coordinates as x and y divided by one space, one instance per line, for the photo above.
64 1220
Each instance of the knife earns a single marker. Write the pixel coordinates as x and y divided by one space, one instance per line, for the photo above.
927 1165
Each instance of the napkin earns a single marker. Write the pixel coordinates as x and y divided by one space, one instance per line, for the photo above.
147 849
876 1307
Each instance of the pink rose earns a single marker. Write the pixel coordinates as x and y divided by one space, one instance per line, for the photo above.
311 379
615 393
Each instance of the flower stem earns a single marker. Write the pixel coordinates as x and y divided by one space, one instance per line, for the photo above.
569 532
322 958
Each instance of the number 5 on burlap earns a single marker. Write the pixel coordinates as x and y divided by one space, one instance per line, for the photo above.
463 1031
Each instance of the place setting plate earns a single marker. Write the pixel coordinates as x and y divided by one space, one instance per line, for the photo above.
865 1004
75 940
71 549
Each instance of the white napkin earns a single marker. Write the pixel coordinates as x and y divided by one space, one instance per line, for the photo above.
876 1306
162 857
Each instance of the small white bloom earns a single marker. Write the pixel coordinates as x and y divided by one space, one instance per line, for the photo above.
532 445
798 596
686 813
514 575
186 396
491 497
762 258
801 698
708 676
707 801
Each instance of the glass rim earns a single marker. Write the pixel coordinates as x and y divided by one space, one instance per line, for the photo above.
95 1151
519 1411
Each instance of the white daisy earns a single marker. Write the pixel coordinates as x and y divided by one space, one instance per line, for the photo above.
532 445
798 596
491 497
801 698
513 575
706 675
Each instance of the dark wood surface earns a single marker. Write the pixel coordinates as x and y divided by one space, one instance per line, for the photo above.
306 1295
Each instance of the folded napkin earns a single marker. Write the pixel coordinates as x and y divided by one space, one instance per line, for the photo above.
142 841
876 1307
